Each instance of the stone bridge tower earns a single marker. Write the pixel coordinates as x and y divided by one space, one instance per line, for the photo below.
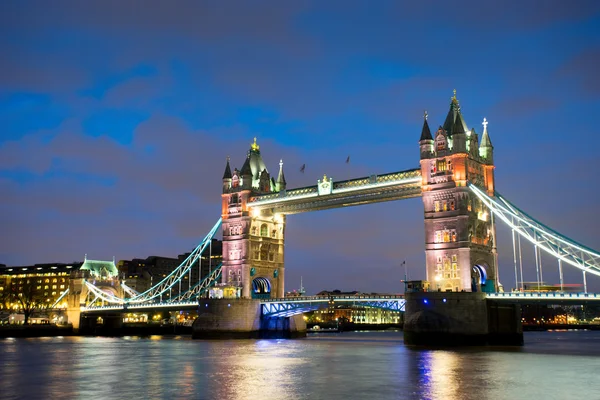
460 245
253 240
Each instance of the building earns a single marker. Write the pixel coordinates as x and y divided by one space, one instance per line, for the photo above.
40 284
460 245
253 243
141 274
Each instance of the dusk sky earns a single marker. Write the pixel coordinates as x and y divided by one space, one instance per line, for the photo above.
116 118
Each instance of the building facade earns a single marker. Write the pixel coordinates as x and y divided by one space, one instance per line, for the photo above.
253 262
460 246
42 284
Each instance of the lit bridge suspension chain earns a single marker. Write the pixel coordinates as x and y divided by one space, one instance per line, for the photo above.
552 242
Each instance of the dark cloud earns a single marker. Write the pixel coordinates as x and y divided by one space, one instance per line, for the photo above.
127 110
582 69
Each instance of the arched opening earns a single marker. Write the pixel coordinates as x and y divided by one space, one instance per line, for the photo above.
264 230
261 288
479 280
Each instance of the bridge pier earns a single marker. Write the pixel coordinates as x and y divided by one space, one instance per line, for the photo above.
242 319
460 319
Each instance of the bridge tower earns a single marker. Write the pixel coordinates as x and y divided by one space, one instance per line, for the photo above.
460 245
253 240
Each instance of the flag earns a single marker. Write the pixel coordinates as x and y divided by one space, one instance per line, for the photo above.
348 160
302 168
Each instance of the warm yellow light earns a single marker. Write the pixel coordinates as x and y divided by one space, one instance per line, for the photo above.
438 278
255 212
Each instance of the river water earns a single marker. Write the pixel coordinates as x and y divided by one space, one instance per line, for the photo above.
349 365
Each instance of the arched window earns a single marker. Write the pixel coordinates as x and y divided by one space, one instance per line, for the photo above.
264 230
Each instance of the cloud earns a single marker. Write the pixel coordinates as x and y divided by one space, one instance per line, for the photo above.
582 71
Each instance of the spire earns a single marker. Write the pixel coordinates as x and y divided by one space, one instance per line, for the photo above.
486 150
246 169
227 174
281 177
459 126
425 132
485 138
452 116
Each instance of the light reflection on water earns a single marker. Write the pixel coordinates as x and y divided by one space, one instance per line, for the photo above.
375 365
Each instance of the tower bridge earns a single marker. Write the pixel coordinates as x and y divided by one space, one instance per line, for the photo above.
461 209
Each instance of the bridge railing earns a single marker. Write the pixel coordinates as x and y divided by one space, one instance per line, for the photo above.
328 298
543 295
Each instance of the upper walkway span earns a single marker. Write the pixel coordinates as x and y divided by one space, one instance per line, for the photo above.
330 194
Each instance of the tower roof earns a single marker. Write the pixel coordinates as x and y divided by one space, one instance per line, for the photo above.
281 177
458 127
227 174
485 139
425 132
257 165
451 117
100 268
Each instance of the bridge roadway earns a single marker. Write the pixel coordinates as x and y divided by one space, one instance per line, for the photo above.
296 305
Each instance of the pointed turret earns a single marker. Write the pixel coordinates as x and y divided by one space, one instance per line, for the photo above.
425 132
246 173
426 141
486 150
227 173
452 115
280 178
227 177
459 139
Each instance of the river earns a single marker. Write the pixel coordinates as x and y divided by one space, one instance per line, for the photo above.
349 365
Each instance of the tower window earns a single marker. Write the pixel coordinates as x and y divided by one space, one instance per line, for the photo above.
441 165
264 231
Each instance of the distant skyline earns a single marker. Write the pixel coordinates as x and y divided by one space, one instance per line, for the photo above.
116 121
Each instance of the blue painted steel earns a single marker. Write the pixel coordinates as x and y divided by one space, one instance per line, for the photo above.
297 305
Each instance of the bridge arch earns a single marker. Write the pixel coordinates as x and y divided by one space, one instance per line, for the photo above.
479 278
261 288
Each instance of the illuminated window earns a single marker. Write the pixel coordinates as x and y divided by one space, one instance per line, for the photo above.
454 235
452 206
440 165
264 230
438 237
446 236
445 206
437 206
454 258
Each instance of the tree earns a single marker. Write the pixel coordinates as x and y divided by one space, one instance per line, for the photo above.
27 298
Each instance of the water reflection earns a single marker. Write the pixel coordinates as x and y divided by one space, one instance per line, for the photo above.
360 365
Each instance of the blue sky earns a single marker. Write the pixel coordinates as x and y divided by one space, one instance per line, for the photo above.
116 119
